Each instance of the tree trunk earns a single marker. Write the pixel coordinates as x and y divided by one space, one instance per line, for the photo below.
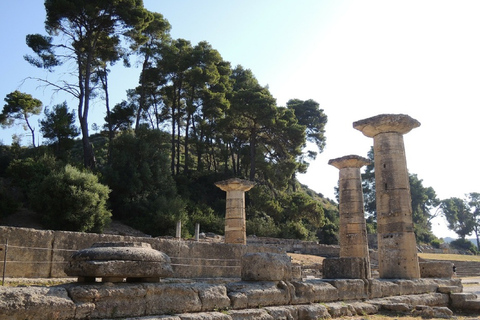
253 139
32 130
88 155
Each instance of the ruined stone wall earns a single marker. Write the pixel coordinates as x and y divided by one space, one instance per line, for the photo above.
297 246
43 254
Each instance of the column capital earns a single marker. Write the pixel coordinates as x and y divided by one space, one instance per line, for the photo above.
399 123
350 161
235 184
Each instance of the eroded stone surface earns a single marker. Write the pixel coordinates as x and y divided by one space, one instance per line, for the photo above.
114 261
397 251
235 228
399 123
178 301
266 267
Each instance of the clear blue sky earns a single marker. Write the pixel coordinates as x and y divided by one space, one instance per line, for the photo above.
356 58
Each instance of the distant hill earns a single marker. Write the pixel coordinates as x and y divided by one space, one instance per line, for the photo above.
448 240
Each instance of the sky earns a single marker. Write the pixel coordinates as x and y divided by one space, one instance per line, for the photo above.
357 59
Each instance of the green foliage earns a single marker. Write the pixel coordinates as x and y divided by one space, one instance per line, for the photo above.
59 128
313 118
27 174
206 217
288 215
296 230
143 191
8 201
328 234
463 244
458 216
263 227
69 199
20 106
221 123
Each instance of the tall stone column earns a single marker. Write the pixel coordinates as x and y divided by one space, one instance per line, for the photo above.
353 228
235 229
397 250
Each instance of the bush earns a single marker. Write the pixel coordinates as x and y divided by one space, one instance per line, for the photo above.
69 199
205 216
262 227
8 202
463 244
296 230
27 174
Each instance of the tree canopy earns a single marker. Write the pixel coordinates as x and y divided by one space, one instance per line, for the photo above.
20 106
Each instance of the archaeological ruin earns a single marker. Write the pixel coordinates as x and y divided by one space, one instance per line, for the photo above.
144 278
235 229
397 248
353 229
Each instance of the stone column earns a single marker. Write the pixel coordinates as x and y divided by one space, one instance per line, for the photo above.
353 228
235 229
397 249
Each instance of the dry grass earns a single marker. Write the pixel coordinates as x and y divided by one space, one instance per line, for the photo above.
454 257
305 259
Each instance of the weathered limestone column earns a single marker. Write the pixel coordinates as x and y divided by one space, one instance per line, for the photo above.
235 229
397 250
353 228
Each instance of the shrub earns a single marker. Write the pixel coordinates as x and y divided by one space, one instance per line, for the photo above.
464 244
69 199
262 227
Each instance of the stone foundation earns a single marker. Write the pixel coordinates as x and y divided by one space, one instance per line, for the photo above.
181 300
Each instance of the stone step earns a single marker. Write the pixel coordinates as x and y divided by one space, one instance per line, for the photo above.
462 299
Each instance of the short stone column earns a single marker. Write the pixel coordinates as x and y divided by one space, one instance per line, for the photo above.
397 249
353 229
235 228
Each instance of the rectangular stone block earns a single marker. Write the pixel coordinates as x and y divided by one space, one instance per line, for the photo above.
350 289
436 269
311 291
171 298
262 293
346 268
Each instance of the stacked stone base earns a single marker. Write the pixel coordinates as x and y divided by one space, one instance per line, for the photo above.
230 300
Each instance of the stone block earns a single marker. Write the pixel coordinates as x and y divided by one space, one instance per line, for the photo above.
258 294
362 308
171 298
283 312
340 309
203 316
266 267
459 300
436 269
313 312
110 300
346 268
250 314
311 291
21 241
449 289
36 303
212 297
350 289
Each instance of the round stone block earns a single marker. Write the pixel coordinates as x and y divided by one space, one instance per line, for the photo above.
114 261
266 266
